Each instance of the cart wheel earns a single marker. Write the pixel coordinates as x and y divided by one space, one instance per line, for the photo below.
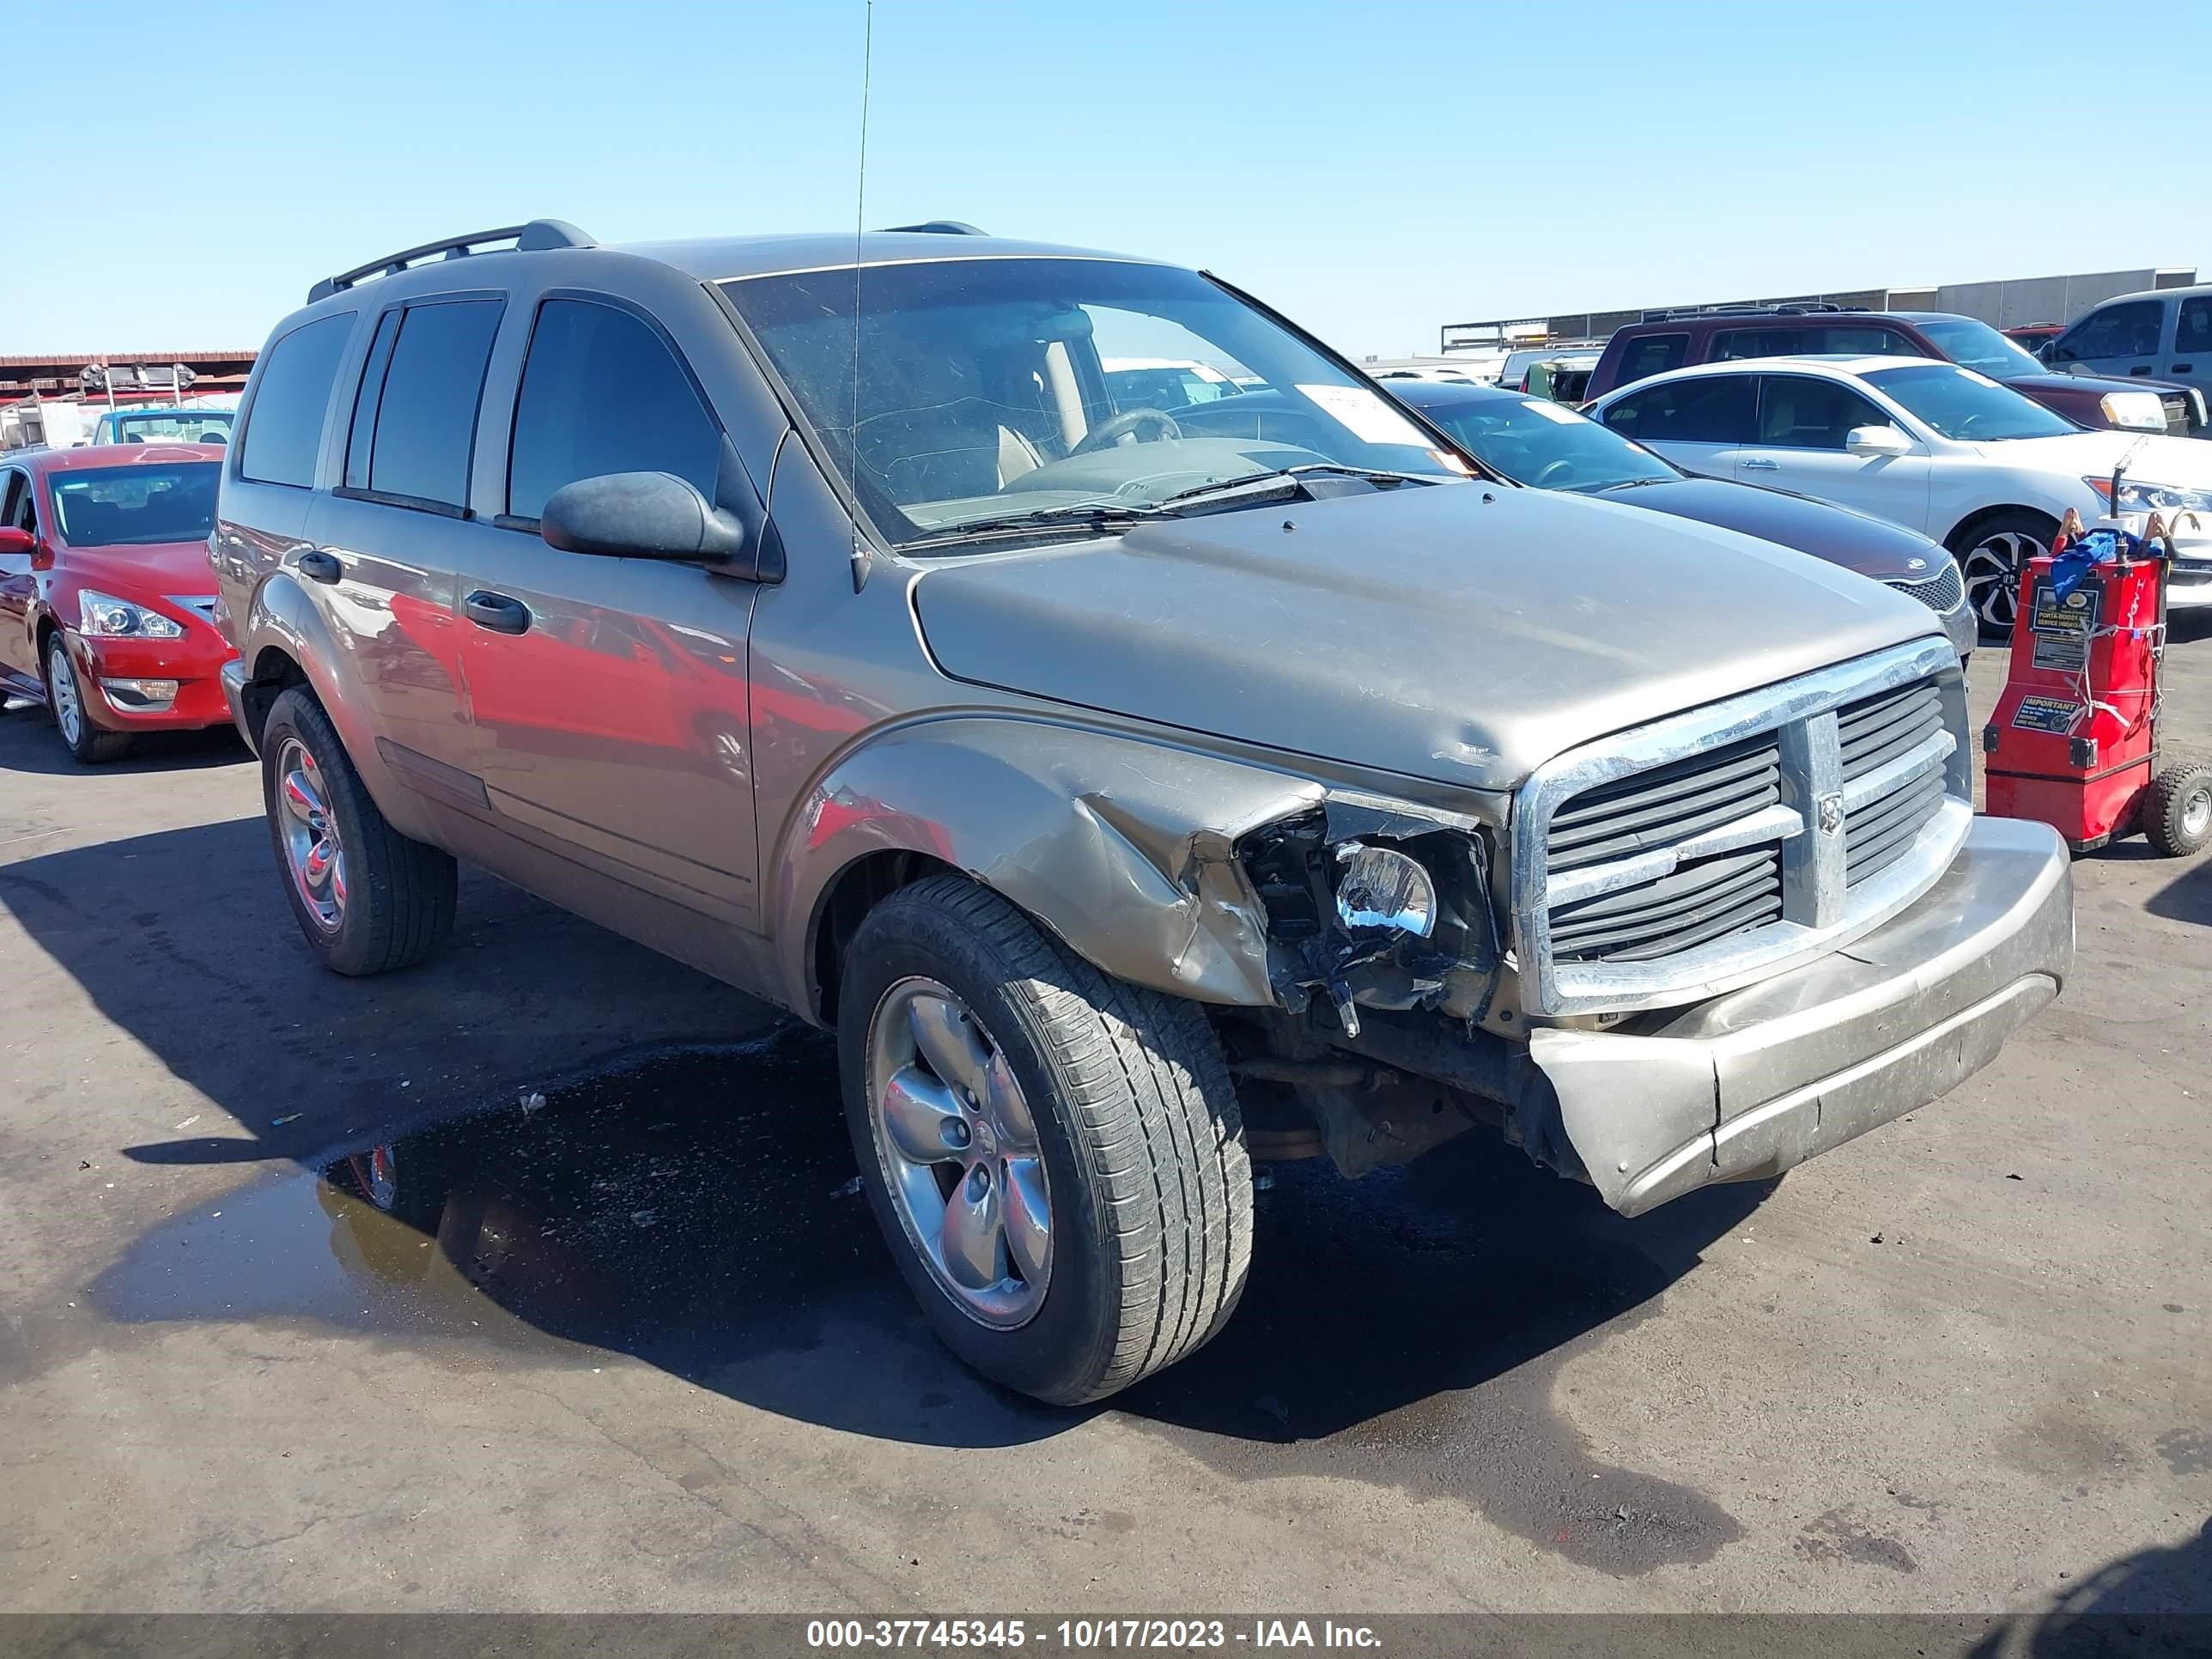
2177 809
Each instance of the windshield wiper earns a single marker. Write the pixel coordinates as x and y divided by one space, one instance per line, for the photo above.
1256 484
1629 483
1072 516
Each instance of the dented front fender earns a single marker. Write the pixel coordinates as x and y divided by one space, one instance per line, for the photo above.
1124 847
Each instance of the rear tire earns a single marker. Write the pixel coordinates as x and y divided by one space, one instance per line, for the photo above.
1991 554
88 744
1122 1097
2177 809
367 898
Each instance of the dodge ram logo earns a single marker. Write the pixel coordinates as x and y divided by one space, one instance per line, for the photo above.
1832 814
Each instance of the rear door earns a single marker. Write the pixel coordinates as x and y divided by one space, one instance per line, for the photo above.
1700 423
2121 337
394 530
609 695
2190 357
1803 422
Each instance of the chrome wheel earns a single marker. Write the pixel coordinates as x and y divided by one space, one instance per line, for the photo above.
958 1150
312 851
68 701
1992 568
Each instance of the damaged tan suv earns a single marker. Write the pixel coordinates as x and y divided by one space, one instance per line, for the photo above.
1111 775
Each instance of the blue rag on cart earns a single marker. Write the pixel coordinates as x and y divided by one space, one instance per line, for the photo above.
2071 568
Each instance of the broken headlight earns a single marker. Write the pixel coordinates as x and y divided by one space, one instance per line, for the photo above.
1381 887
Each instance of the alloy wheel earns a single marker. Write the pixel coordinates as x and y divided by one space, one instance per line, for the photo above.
312 850
958 1146
1992 568
68 701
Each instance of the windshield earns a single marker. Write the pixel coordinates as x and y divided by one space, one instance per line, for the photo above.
1976 345
1960 403
984 391
1532 441
171 426
134 506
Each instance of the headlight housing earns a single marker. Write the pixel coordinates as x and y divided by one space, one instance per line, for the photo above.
2137 497
104 616
1381 887
2138 411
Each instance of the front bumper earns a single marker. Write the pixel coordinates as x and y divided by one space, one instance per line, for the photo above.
193 662
1743 1087
234 693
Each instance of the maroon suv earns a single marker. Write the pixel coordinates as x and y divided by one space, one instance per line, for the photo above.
1654 347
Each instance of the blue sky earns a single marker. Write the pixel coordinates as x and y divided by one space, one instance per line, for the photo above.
1373 169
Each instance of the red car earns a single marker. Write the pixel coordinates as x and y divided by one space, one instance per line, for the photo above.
107 600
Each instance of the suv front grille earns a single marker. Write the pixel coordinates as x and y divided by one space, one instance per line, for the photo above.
1940 590
1714 847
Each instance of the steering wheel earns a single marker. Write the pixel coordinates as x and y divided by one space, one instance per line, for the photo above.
1128 424
1554 474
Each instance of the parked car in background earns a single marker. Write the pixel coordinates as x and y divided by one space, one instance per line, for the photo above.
165 423
1566 370
1063 815
106 602
2032 337
1535 441
1641 349
2161 334
1934 447
1164 382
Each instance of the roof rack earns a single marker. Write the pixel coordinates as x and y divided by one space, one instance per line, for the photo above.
534 237
939 227
1748 308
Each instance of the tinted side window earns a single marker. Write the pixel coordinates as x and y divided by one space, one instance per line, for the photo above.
2127 330
1797 411
1709 410
1861 339
1733 342
425 422
284 428
2194 331
1653 355
601 394
17 512
358 435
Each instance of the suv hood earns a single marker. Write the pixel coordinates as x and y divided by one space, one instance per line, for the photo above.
1465 633
2095 384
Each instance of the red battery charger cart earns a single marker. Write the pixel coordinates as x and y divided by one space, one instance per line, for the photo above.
2074 741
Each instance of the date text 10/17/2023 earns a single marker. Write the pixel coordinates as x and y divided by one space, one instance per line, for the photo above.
1086 1635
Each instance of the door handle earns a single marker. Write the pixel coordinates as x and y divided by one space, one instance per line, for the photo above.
2144 370
497 612
1762 466
320 566
2185 368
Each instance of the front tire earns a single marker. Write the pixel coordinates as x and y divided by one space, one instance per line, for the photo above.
88 744
1991 556
367 898
1054 1157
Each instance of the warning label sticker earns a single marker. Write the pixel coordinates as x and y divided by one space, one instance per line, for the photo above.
2069 655
2053 715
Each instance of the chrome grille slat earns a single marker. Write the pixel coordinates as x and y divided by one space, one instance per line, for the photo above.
1711 847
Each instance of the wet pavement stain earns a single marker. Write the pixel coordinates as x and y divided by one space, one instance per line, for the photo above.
693 1212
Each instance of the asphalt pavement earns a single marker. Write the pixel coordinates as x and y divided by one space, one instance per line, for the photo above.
636 1346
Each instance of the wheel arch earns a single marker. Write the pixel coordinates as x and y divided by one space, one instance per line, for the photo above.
1122 848
1962 533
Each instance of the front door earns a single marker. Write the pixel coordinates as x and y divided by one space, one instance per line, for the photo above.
1800 445
609 695
2123 339
2189 358
18 655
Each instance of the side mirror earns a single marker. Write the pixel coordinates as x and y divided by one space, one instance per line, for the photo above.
17 541
2043 352
642 515
1877 440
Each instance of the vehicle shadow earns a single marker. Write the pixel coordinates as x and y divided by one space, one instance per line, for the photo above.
29 744
594 1150
2157 1601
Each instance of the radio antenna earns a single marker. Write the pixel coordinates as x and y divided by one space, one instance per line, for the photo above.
859 553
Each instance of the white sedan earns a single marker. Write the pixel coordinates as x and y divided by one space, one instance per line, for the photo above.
1931 445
